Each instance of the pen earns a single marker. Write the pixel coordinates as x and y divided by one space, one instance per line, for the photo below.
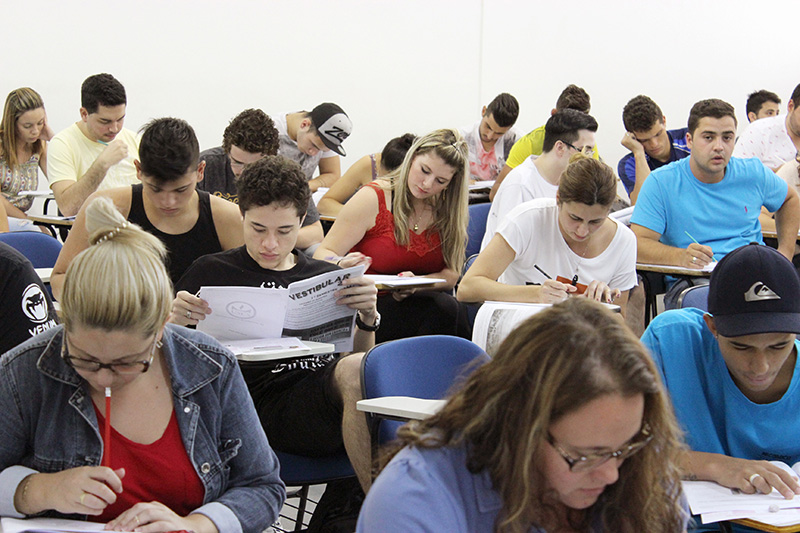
695 241
542 271
107 432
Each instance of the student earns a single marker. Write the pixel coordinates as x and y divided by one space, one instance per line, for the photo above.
572 97
27 309
762 104
186 450
95 153
24 133
704 206
570 236
773 140
566 132
491 138
732 372
652 146
314 140
166 203
308 407
412 222
565 429
367 169
250 136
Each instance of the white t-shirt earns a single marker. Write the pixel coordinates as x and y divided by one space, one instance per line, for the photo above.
768 140
522 184
71 153
288 148
531 229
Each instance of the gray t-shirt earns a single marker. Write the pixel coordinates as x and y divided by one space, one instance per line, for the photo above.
220 181
288 148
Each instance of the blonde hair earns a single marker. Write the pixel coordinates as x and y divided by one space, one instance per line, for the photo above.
551 365
120 281
18 102
450 214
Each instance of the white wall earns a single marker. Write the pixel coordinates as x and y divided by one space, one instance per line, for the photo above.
398 66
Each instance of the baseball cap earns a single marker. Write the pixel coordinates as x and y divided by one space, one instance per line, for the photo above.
754 289
333 125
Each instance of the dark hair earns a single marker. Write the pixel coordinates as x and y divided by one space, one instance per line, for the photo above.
795 98
759 98
587 181
102 89
395 151
714 108
574 97
504 110
564 125
640 114
253 131
273 179
549 366
168 149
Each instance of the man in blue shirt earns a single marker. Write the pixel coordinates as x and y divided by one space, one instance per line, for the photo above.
698 209
651 144
732 373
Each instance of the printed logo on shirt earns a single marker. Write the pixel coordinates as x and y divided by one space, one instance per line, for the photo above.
759 292
34 304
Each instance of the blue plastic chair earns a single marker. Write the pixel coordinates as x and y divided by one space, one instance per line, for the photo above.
420 367
40 249
696 296
304 472
478 213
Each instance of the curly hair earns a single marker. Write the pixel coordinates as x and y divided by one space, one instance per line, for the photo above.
553 364
273 179
574 97
640 114
253 131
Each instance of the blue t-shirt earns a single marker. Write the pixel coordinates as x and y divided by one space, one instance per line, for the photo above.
712 410
721 215
678 150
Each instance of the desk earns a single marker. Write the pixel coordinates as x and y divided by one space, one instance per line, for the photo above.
401 407
53 222
652 274
44 274
766 527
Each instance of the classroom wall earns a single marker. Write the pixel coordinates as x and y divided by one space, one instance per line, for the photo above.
398 66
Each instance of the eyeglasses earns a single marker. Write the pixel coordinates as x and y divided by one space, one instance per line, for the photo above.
586 150
90 365
593 460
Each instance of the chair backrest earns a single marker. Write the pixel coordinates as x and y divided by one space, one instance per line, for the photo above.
421 367
40 249
696 296
478 214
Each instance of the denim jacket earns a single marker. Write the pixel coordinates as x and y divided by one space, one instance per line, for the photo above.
48 424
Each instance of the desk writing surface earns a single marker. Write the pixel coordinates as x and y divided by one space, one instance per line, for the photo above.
673 270
44 274
314 348
53 220
766 527
401 407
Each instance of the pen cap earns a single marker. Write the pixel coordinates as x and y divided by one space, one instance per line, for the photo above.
754 289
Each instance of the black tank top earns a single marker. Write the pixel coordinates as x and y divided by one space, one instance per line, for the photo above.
182 249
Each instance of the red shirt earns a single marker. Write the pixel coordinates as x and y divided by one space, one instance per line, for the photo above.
423 255
160 472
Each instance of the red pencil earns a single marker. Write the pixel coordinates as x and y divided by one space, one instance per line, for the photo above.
107 432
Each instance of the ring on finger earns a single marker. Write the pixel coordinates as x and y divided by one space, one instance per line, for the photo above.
83 496
188 314
136 517
694 259
751 478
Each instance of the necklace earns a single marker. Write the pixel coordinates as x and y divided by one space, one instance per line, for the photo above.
419 218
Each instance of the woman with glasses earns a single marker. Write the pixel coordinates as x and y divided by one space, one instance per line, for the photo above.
566 429
183 449
548 249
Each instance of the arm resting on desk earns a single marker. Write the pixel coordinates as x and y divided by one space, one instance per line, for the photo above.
649 250
787 222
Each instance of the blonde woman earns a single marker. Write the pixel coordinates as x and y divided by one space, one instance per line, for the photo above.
24 133
184 450
413 222
567 429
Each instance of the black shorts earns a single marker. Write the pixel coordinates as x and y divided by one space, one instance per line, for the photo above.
300 408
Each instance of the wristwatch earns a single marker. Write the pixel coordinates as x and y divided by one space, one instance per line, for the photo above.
366 327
